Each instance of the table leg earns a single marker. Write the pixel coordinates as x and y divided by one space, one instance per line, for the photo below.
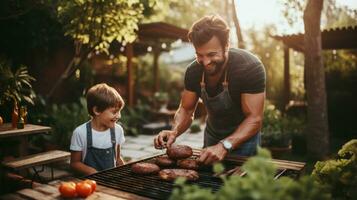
23 146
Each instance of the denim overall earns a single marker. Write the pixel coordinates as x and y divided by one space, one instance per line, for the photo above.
100 159
223 119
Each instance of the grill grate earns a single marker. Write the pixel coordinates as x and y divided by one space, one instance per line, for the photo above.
121 178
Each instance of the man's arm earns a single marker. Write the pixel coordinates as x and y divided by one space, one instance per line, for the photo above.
253 109
182 120
78 166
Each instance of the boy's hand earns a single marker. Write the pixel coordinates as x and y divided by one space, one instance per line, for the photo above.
165 139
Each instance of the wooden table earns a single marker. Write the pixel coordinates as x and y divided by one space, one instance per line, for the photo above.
50 191
6 131
165 114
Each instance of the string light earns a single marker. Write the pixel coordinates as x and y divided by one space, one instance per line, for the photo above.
163 45
149 49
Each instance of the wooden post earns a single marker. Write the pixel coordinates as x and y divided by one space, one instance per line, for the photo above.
156 69
286 76
130 83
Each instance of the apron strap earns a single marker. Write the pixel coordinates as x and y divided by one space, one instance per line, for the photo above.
89 135
113 140
224 83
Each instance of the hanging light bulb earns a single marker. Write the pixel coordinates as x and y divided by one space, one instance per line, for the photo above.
163 45
122 49
149 49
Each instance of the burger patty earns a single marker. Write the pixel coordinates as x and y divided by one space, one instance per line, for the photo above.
177 152
145 168
188 164
172 174
164 161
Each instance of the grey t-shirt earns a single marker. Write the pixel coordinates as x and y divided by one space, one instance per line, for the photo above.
246 74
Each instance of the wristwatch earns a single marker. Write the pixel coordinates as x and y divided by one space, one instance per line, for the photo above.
227 145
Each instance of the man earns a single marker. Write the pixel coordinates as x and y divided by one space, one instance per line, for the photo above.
231 84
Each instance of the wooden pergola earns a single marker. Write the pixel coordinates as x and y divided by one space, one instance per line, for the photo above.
150 35
337 38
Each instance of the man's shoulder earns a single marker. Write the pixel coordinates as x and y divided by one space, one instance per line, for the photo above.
242 57
194 67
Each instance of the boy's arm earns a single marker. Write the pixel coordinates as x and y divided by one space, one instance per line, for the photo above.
77 164
119 159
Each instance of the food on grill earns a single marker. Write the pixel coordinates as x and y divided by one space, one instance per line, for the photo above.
164 161
172 174
177 152
188 164
145 168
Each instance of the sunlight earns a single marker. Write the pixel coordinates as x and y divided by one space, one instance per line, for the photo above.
259 13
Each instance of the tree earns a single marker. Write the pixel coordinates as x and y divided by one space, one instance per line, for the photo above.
93 25
317 126
237 26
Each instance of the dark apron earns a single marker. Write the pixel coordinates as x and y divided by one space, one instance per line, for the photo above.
99 159
223 119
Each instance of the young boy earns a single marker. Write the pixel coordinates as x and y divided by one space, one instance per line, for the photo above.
95 145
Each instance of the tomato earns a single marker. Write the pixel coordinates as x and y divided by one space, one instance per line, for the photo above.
92 183
83 189
68 189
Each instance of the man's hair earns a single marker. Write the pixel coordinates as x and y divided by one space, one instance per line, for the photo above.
205 28
102 96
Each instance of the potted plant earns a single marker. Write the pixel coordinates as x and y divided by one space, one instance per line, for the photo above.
15 86
278 130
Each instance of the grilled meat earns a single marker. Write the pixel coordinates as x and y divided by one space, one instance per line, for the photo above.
164 161
145 168
172 174
177 152
188 164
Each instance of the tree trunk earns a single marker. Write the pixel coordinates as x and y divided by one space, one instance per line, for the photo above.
317 125
236 24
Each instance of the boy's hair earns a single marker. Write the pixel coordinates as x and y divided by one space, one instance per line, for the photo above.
205 28
103 96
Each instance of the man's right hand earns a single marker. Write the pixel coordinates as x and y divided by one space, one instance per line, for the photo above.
165 139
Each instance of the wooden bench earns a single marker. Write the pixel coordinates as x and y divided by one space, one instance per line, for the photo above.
34 160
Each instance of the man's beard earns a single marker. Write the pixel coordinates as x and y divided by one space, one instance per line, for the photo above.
216 67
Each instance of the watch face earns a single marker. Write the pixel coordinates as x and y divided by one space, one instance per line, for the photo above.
227 144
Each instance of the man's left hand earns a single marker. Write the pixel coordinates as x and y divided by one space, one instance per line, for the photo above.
212 154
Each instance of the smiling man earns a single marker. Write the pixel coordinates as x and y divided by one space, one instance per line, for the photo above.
231 84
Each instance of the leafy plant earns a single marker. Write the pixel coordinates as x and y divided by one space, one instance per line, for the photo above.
195 126
257 184
132 118
278 129
340 174
64 119
15 85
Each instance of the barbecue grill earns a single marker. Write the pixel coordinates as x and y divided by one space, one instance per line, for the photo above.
151 186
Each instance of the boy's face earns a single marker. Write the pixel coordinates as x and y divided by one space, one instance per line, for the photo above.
108 117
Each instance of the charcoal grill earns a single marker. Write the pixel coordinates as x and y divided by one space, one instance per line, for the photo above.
150 186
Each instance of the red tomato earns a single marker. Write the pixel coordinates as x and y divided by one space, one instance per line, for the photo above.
83 189
68 189
92 183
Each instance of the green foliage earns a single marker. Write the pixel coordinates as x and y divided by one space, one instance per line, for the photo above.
278 129
340 174
195 126
15 85
64 119
258 184
132 118
98 22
